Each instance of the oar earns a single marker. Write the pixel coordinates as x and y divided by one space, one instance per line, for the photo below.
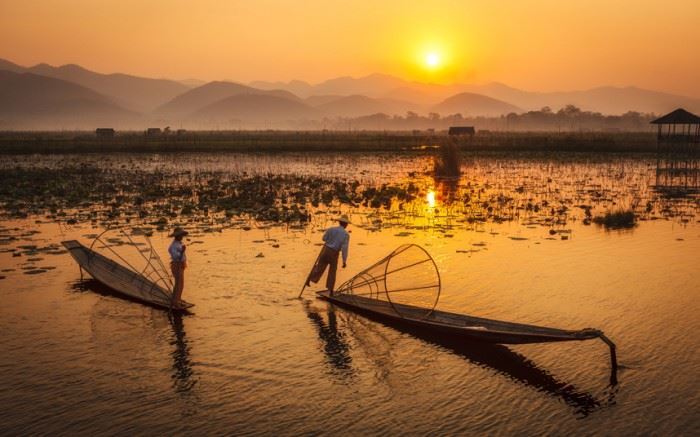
309 275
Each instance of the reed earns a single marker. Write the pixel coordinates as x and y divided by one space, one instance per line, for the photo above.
448 161
623 219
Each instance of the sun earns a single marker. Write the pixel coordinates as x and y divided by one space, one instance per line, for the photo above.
432 60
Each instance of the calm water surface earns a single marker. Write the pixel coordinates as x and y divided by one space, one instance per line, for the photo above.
253 359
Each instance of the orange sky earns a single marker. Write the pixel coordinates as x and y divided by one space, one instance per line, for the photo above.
538 45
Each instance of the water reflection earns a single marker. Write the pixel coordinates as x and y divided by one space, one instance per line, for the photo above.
183 375
334 345
503 360
677 176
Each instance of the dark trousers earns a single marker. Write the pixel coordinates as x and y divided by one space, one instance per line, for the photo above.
327 258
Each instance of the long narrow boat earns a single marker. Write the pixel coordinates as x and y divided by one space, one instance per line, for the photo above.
389 290
120 278
457 325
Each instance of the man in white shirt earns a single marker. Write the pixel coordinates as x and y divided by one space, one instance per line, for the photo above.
178 263
336 241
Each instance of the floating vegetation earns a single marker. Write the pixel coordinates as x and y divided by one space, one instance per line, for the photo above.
617 220
210 193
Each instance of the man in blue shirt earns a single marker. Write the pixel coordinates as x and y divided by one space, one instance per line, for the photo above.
336 241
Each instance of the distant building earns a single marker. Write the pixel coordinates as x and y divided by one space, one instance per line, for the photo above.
679 126
461 130
678 153
104 132
153 132
180 132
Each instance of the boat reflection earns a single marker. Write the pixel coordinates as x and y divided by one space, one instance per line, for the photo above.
333 343
500 358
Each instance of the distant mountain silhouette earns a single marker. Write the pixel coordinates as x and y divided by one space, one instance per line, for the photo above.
196 99
415 95
608 100
322 99
357 105
256 108
10 66
474 104
297 87
29 100
71 93
132 92
192 83
374 85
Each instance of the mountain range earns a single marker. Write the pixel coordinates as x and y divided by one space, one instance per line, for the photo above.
70 96
50 103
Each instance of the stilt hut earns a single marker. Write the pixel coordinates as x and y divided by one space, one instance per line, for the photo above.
678 152
678 131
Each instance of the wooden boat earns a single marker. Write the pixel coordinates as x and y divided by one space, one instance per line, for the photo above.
121 279
457 325
388 290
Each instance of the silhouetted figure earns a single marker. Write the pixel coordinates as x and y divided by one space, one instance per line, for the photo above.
336 241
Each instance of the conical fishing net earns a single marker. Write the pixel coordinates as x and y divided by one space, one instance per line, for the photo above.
407 278
132 249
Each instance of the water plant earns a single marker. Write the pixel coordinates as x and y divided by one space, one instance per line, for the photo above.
620 219
448 161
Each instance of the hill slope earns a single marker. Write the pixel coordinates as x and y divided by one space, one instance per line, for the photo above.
135 93
357 105
473 105
196 99
29 100
255 108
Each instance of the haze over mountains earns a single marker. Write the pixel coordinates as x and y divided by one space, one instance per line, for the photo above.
72 97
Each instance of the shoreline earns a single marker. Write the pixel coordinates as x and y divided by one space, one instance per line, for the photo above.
56 142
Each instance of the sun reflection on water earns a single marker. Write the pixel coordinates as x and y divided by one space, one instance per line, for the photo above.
430 198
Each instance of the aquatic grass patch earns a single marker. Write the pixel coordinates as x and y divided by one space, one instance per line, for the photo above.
448 161
617 219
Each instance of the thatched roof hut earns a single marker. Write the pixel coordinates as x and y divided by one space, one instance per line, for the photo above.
681 132
679 116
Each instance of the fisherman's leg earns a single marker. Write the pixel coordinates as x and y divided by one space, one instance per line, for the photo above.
332 269
177 276
319 267
180 283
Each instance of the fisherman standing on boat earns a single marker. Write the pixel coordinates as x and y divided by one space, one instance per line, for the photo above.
178 263
336 240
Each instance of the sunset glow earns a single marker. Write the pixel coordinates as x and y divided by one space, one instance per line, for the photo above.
432 60
540 45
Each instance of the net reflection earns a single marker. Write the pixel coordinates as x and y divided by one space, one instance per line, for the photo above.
498 358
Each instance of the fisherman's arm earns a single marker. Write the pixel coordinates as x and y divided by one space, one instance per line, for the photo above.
344 249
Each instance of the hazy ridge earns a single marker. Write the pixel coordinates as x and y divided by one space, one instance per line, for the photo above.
70 96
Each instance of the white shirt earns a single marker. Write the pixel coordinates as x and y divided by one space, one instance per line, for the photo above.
176 251
337 238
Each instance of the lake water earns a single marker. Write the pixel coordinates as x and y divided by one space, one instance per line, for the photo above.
253 359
